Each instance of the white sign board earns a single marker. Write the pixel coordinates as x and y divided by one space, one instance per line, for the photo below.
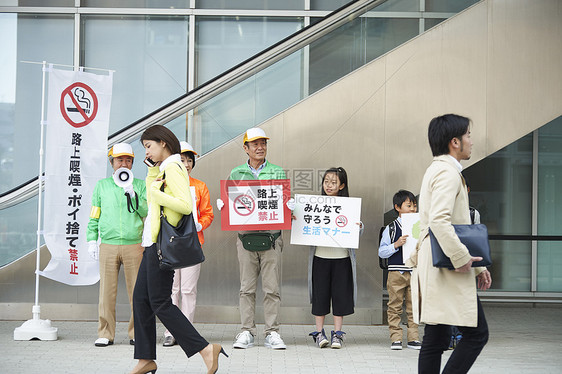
255 204
326 221
410 227
194 202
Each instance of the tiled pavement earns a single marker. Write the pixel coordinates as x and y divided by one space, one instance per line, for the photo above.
522 340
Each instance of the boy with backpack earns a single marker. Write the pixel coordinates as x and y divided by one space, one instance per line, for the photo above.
398 281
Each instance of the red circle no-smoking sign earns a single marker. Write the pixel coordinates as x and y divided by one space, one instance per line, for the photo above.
244 205
78 104
341 221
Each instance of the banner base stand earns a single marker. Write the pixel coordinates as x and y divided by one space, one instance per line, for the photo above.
36 328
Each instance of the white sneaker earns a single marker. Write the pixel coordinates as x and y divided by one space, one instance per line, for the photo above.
244 340
103 342
274 341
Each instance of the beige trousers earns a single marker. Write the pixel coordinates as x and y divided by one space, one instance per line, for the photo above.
398 286
111 258
253 264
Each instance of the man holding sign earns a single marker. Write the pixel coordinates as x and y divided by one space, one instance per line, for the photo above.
259 251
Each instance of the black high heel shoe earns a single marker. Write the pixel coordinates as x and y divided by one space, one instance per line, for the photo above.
217 350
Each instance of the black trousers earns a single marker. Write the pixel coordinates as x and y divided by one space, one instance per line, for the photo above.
151 298
332 280
436 340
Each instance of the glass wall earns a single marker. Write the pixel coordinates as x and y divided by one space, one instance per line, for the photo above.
18 230
249 103
549 214
8 61
33 3
26 37
452 6
391 5
250 4
501 189
399 6
430 22
224 42
359 42
327 4
169 4
149 56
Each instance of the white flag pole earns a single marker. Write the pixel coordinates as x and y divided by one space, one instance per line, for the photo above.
37 328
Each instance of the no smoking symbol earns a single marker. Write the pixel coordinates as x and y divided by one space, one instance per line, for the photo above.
244 205
341 221
78 104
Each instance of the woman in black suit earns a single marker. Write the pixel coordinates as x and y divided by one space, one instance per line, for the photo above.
153 289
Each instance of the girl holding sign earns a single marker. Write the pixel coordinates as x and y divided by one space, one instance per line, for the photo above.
332 273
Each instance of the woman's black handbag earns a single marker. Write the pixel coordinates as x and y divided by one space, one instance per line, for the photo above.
178 246
474 237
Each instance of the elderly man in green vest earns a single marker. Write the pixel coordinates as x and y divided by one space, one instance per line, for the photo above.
265 261
118 221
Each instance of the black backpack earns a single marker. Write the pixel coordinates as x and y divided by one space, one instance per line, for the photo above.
472 214
383 262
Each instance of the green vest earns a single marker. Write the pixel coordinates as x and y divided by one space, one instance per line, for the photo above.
269 171
116 225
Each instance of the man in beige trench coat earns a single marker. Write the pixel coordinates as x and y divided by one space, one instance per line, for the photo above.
443 297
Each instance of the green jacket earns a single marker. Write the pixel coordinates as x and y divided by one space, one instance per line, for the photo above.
269 171
176 197
109 217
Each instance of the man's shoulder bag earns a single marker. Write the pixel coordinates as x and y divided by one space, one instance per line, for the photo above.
474 237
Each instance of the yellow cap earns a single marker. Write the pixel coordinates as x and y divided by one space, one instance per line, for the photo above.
253 134
121 149
186 147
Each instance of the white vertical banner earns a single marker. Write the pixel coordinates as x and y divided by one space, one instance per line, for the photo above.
76 158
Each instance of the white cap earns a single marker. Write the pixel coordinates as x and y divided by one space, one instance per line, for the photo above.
121 149
253 134
186 147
